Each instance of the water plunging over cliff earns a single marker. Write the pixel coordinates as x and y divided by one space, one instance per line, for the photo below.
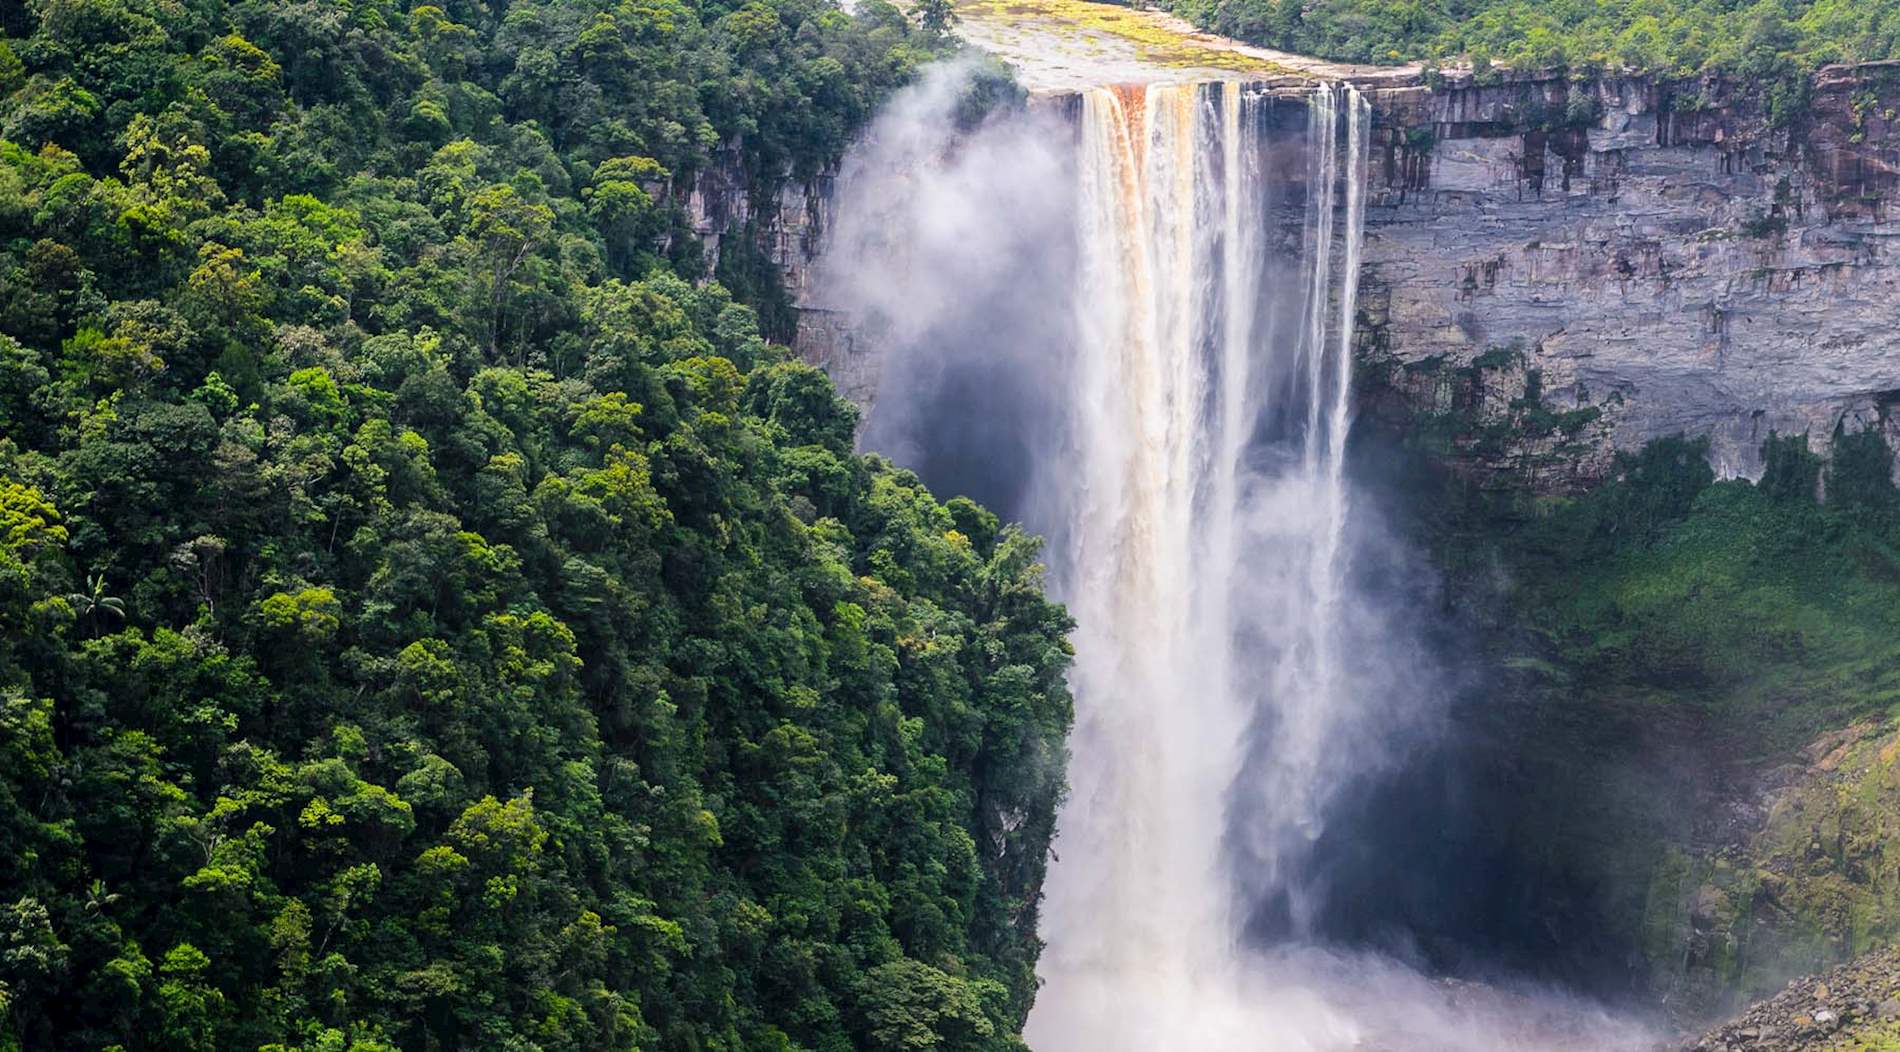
1211 417
1126 319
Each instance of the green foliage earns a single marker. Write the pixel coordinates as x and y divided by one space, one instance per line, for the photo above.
1753 598
1860 476
1668 629
429 620
1491 410
1770 43
1790 471
936 16
1655 487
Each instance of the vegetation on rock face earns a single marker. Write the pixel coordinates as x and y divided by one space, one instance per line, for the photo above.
427 618
1764 38
1705 677
1753 599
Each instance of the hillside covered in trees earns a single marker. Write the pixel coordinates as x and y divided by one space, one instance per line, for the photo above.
1749 38
431 615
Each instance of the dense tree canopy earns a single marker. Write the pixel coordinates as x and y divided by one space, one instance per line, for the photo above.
1678 37
431 616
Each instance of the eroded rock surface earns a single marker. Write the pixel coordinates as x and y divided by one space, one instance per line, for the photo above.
1852 1008
1657 253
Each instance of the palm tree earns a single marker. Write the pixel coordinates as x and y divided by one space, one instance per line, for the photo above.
97 898
88 603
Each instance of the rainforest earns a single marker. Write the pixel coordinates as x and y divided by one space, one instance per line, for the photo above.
436 616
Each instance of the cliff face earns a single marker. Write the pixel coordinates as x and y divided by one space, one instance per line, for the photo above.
787 229
721 202
1558 271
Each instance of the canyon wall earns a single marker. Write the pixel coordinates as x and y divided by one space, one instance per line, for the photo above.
788 227
1559 270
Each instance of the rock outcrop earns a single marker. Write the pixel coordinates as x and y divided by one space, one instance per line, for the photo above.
787 223
1853 1007
787 228
1655 253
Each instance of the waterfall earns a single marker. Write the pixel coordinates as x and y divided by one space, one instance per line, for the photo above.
1128 322
1182 514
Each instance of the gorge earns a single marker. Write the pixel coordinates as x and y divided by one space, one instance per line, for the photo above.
1128 319
1552 271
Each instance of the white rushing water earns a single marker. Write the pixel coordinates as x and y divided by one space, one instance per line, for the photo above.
1195 561
1132 319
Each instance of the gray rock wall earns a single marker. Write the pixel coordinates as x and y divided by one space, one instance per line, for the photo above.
1681 267
1655 252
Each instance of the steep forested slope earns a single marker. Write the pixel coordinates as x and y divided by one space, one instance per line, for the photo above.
428 619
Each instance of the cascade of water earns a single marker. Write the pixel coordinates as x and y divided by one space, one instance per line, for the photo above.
1173 380
1180 436
1302 515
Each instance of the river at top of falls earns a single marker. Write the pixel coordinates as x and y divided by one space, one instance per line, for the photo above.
1129 322
1074 45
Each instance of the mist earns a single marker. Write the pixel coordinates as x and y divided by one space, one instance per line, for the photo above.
953 252
1124 318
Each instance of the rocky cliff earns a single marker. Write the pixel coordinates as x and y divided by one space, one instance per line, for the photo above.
786 228
1558 269
1630 259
